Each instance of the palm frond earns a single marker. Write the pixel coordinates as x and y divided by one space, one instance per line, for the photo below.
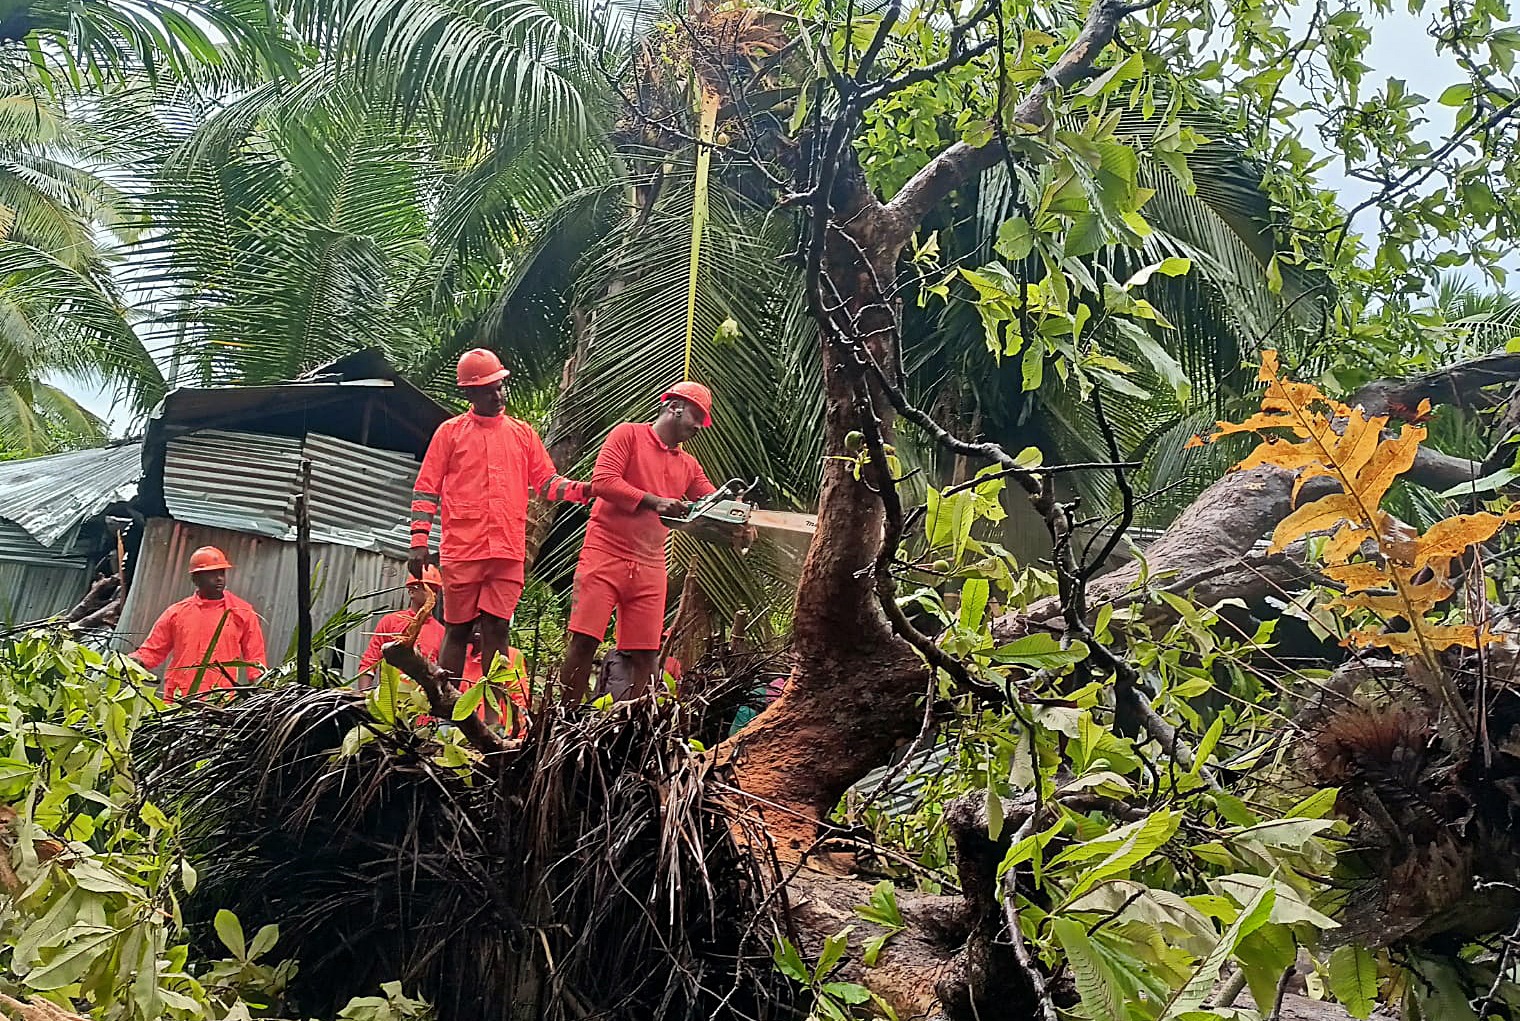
581 875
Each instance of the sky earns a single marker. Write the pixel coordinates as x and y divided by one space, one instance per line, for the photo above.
1400 48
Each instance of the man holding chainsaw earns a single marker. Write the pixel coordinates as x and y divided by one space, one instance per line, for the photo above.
475 480
641 476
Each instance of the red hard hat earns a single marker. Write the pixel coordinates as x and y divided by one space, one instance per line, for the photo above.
697 394
480 368
430 577
208 558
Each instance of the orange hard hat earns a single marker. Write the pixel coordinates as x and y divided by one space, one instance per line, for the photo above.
430 577
480 367
697 394
208 558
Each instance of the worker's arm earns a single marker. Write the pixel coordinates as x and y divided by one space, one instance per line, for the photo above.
427 494
548 483
699 486
252 649
160 643
371 657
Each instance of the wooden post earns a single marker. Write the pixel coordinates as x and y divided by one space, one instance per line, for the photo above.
303 575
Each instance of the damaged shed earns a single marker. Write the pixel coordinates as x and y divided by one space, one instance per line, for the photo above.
52 525
221 467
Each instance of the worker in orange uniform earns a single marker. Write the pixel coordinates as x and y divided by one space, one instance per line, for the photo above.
209 635
475 480
393 625
641 474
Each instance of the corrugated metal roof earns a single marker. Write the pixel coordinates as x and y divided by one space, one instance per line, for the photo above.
361 491
247 482
242 481
50 496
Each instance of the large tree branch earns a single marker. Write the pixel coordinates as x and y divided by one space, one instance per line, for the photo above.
1457 384
961 162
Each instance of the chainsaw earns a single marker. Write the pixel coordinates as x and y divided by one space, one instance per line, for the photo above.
722 516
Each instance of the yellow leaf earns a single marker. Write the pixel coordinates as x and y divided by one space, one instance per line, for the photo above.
1358 443
1436 637
1346 541
1269 366
1358 577
1393 457
1453 536
1319 516
1411 600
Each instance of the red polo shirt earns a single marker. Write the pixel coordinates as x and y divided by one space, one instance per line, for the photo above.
634 461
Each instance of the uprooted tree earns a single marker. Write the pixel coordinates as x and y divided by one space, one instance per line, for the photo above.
1146 768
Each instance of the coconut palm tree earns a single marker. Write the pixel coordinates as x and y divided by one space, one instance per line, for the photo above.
60 311
493 186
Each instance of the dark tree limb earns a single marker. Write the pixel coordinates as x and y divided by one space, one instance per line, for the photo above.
961 162
442 696
1459 384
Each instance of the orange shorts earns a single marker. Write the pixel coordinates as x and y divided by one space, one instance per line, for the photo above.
473 587
636 591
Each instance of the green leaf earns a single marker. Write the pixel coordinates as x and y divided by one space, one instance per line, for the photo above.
1041 651
1486 484
1456 95
882 909
974 595
872 951
469 701
263 942
1173 266
1198 986
833 949
994 814
1096 983
188 876
1207 745
789 961
1086 236
1353 979
1015 239
1167 367
1140 843
230 931
70 963
849 992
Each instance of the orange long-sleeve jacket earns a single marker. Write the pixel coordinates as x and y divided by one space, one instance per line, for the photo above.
391 627
475 481
185 631
634 461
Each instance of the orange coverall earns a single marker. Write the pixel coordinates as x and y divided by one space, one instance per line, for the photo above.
186 629
391 627
475 481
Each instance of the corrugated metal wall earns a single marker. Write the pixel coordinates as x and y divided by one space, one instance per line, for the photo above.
264 573
360 496
38 581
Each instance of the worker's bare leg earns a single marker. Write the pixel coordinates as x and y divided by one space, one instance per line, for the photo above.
456 644
641 664
576 671
495 639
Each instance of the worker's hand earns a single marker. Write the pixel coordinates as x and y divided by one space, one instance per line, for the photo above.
667 508
744 539
417 562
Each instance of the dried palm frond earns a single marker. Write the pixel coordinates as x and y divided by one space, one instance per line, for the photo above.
584 874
